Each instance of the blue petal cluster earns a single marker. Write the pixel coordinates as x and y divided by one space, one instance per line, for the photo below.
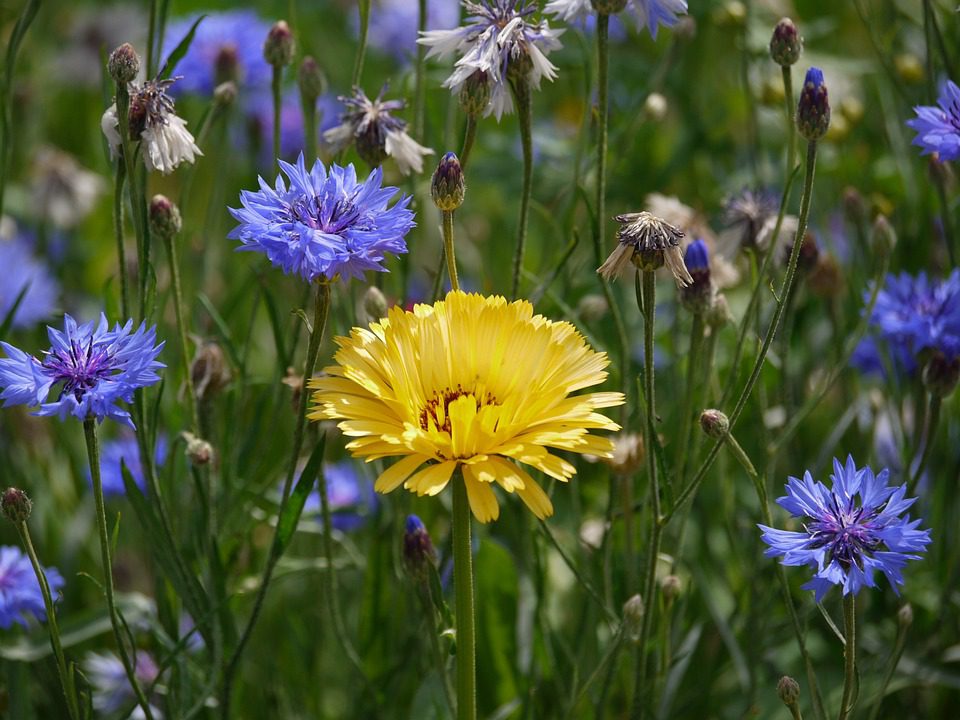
394 24
350 494
324 223
125 449
851 531
697 256
230 37
20 595
913 314
42 289
938 128
93 368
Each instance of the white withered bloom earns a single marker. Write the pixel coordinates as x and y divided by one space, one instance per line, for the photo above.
166 142
644 234
376 132
63 192
500 40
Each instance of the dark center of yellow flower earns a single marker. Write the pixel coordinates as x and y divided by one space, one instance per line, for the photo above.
437 410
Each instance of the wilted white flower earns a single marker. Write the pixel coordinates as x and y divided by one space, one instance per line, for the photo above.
500 40
62 190
645 233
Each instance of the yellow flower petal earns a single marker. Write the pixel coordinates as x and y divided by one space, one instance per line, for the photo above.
483 502
393 476
431 480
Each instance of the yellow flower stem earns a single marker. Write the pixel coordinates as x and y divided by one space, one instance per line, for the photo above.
448 249
320 312
848 699
93 453
463 592
66 675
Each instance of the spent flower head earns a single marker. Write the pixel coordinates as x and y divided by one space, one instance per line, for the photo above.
850 532
376 133
748 211
20 596
91 367
938 127
324 223
644 234
501 40
651 14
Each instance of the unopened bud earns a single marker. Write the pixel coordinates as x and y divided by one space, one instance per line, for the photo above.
279 46
853 204
124 64
418 551
788 690
655 107
786 43
165 219
447 188
608 7
883 237
670 586
633 610
226 64
310 78
209 371
686 28
940 374
475 94
374 304
199 451
718 314
225 94
698 295
715 424
592 308
16 505
905 616
813 110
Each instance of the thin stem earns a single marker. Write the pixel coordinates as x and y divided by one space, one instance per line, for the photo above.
791 123
463 591
521 93
151 32
276 82
932 420
847 701
448 249
945 217
321 310
892 663
687 420
172 255
118 230
649 290
419 93
795 711
310 127
93 453
469 135
53 629
135 193
430 614
364 9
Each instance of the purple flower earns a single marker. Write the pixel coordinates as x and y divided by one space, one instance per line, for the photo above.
111 688
94 367
394 23
227 46
850 531
326 223
498 36
649 13
938 128
125 448
29 272
20 595
915 313
350 494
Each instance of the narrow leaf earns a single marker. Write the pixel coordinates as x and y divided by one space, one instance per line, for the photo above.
179 51
287 523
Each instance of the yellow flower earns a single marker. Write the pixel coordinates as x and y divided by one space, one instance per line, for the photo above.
470 381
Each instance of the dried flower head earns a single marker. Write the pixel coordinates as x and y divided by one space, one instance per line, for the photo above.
645 233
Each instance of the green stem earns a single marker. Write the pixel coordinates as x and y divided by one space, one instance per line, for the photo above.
320 313
847 701
53 629
93 452
469 135
276 83
364 9
795 711
932 420
521 94
419 93
172 255
785 289
649 310
463 591
791 123
151 32
945 217
310 127
136 195
892 663
448 249
687 419
118 230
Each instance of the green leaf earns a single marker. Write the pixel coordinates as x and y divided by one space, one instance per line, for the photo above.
287 522
179 51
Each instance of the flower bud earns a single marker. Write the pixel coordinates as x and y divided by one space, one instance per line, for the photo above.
475 94
905 616
225 94
124 64
854 205
165 219
883 238
670 586
418 551
374 304
715 424
788 690
16 505
279 46
592 308
786 43
199 451
633 610
311 79
813 110
209 371
718 314
698 295
608 7
447 188
226 64
940 374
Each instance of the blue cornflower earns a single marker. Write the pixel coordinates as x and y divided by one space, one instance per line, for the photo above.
938 128
326 223
393 24
917 313
227 46
697 257
125 448
350 494
497 40
649 13
111 688
95 368
20 595
42 289
850 531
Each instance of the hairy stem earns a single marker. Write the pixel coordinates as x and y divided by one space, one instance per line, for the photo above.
463 591
847 700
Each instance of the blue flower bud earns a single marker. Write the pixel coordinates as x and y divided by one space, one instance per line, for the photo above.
418 552
813 110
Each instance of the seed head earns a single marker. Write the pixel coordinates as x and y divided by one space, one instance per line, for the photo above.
447 188
671 586
905 616
124 64
813 110
279 47
16 505
786 43
941 373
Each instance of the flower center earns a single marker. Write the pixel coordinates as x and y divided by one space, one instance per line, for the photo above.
436 413
320 213
847 533
79 369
